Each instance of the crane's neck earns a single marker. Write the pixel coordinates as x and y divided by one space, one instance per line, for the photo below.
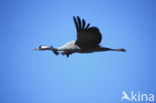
45 48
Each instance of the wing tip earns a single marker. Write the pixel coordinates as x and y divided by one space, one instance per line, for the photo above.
73 16
79 26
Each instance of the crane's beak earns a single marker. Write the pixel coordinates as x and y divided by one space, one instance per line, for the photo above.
36 49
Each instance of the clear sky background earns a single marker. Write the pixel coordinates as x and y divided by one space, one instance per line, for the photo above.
28 76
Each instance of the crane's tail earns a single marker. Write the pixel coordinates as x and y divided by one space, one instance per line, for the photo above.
54 50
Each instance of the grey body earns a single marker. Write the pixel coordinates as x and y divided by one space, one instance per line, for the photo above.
88 40
75 48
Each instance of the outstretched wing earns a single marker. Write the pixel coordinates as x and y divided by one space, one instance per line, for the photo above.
86 36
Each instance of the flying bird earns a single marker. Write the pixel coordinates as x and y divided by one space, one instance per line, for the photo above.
125 96
88 41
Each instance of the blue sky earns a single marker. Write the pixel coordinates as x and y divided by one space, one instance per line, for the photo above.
28 76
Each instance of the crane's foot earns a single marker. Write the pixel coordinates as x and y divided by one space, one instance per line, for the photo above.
121 49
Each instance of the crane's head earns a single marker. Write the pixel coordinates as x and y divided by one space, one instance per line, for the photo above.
41 47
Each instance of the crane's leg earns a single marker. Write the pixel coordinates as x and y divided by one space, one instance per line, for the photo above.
120 49
109 49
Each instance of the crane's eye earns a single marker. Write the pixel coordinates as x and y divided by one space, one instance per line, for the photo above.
40 46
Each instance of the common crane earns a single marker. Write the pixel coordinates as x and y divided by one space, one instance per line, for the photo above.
88 40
